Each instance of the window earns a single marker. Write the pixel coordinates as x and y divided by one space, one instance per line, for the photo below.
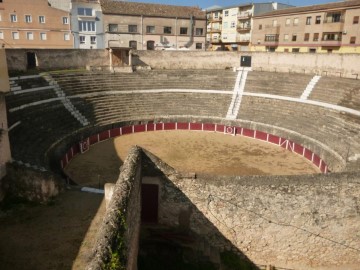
260 26
93 39
28 18
274 23
306 37
216 15
288 21
226 13
199 31
332 36
42 36
82 39
150 29
167 30
312 50
85 11
41 19
1 35
183 30
286 37
30 35
67 36
316 37
65 20
113 27
295 50
132 28
133 44
318 20
356 20
308 20
296 21
352 40
333 17
293 38
272 37
225 25
87 26
13 18
232 24
15 35
198 46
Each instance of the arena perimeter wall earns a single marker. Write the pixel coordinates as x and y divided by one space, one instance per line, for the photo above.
291 222
344 65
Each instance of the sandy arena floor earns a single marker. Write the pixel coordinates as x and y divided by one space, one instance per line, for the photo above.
189 151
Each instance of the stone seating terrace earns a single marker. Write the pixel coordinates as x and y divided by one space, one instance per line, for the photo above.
90 82
282 84
106 109
44 124
40 127
337 130
339 91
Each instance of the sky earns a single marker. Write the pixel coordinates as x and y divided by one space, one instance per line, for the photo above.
224 3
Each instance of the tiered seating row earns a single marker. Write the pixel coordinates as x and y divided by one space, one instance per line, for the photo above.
40 127
324 125
343 92
95 82
282 84
106 109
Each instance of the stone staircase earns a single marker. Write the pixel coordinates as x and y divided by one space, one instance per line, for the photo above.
310 87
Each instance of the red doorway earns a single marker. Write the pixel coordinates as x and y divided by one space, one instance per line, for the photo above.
149 203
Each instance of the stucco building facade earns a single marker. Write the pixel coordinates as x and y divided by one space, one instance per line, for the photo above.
145 26
326 28
34 25
230 28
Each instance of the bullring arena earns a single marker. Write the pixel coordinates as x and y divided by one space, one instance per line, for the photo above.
236 167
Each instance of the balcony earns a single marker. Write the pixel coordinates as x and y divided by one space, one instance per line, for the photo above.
243 39
271 39
214 30
331 42
244 15
215 19
243 28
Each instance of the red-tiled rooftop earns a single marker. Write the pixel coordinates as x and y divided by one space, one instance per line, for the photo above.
158 10
314 8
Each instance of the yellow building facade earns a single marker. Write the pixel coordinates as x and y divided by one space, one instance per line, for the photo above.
328 28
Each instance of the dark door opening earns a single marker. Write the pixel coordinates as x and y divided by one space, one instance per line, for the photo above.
31 60
149 203
245 61
150 45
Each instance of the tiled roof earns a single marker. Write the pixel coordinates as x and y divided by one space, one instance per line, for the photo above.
156 10
314 8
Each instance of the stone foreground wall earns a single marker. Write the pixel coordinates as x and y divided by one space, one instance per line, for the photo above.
324 64
118 239
54 59
27 184
298 222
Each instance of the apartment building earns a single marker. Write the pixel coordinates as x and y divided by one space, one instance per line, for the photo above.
87 24
230 28
145 26
33 24
326 28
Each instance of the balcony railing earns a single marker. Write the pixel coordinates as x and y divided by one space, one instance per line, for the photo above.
243 39
244 15
243 28
333 20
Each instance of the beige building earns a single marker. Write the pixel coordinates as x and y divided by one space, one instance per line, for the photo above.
230 28
33 24
324 28
145 26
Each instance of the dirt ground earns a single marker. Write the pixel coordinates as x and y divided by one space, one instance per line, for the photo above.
189 151
60 235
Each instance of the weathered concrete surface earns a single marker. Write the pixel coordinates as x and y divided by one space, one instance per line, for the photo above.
300 222
324 64
30 185
53 59
118 239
